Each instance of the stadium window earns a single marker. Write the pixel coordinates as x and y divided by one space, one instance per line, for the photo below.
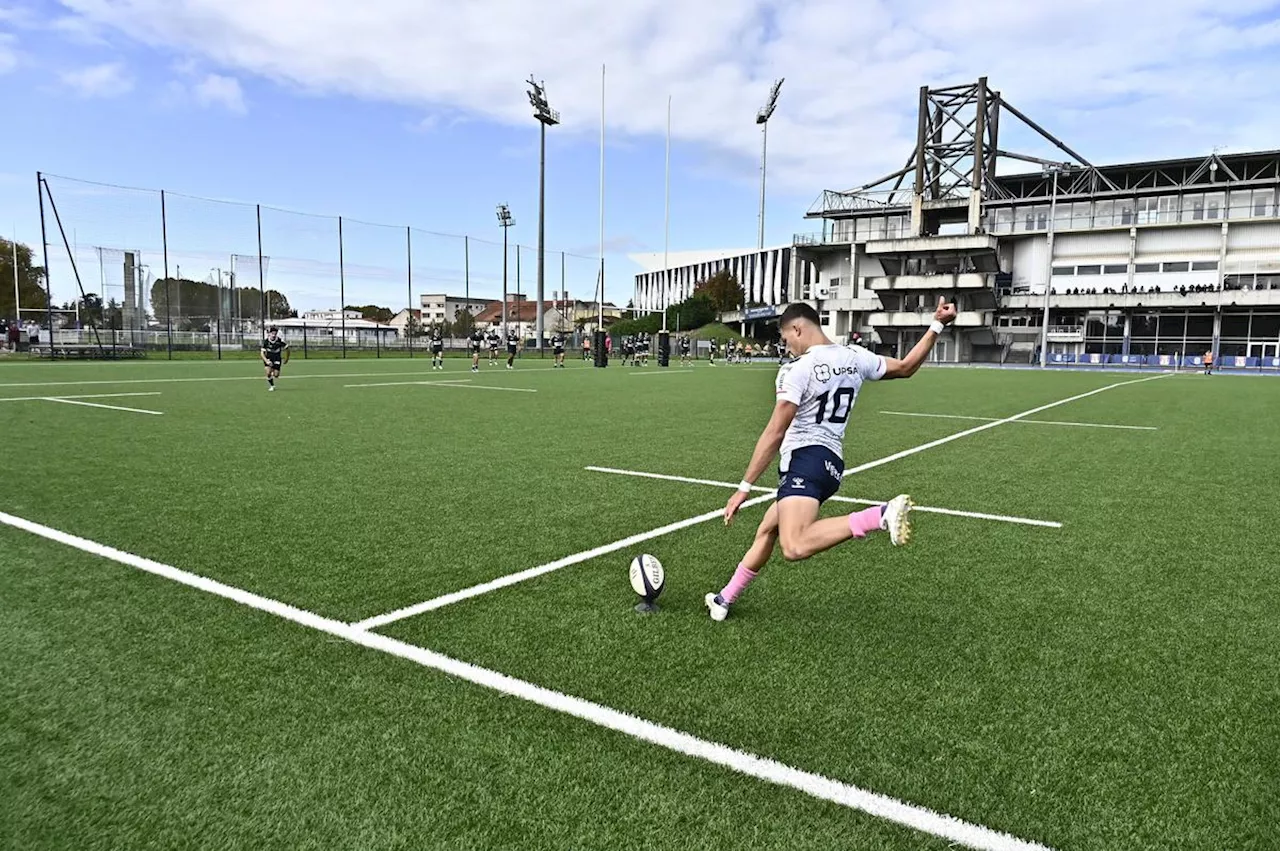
1147 208
1080 215
1104 214
1235 325
1168 209
1193 207
1200 325
1181 266
1146 267
1088 270
1239 204
1204 266
1004 220
1213 205
1261 202
1064 270
1115 268
1124 210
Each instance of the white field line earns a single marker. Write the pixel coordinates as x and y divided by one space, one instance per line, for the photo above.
1013 419
80 396
288 377
817 786
976 515
662 371
107 407
459 383
1021 422
513 578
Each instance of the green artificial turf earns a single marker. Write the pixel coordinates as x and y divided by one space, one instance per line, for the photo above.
1109 684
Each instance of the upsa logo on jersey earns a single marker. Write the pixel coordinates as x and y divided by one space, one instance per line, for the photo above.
823 372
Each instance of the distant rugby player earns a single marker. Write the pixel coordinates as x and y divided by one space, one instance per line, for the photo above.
493 346
684 350
557 347
274 351
712 355
477 340
437 348
513 343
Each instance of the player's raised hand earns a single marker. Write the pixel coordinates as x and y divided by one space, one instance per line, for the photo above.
731 508
946 313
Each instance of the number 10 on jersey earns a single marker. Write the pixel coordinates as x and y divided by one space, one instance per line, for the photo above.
841 403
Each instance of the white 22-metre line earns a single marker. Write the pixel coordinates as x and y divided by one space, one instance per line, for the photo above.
815 785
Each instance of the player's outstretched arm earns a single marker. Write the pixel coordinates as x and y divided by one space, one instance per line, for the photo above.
906 367
766 450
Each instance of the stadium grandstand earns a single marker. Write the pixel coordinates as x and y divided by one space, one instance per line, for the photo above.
1055 261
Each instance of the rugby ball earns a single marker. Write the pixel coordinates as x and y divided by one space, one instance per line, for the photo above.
647 577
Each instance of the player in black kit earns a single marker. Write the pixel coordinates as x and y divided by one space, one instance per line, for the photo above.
477 339
684 351
513 342
557 347
274 351
437 349
493 346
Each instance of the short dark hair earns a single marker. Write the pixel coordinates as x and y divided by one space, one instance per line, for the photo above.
799 310
273 328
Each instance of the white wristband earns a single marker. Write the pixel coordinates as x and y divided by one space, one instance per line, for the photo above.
745 486
936 327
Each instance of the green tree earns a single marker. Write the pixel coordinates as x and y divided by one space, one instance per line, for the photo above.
373 312
30 281
463 323
723 290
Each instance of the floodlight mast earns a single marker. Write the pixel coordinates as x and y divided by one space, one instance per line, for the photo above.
504 221
547 117
762 118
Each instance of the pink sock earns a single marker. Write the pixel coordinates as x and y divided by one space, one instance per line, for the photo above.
864 521
741 579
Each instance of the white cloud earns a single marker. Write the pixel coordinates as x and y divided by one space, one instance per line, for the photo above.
8 53
1100 74
109 79
219 90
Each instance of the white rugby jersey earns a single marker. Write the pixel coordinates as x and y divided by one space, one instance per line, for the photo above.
823 383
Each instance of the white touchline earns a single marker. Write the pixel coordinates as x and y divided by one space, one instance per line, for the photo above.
458 383
288 377
80 396
817 786
524 575
1020 422
976 515
662 371
98 405
940 441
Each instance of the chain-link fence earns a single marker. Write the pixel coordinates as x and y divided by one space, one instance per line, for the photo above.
136 271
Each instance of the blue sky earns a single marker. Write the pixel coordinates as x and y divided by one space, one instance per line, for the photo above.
413 112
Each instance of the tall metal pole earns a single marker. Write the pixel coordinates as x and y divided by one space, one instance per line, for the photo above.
504 281
666 226
466 271
44 242
601 301
262 279
164 239
1048 279
408 250
764 161
17 298
542 227
342 287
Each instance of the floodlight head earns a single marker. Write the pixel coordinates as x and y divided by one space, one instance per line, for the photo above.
766 112
538 100
504 216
